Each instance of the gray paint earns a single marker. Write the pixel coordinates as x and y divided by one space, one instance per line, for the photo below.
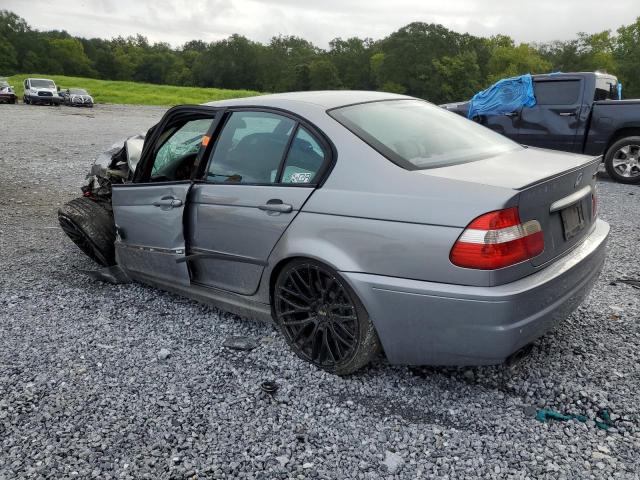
226 219
439 324
150 238
388 230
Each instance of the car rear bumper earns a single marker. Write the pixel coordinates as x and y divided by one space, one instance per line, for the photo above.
427 323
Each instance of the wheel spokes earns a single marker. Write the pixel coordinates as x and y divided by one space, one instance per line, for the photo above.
317 314
294 282
304 321
295 305
626 161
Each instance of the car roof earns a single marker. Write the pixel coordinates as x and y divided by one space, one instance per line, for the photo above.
564 75
325 99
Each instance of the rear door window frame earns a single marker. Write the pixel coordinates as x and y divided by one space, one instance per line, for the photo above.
319 135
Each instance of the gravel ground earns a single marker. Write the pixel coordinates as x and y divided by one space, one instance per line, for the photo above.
104 381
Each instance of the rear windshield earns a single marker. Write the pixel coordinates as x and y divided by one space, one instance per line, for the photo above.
42 84
417 135
606 89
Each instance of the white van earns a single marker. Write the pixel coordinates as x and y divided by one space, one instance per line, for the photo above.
41 90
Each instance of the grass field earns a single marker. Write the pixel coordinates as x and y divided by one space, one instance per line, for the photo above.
107 91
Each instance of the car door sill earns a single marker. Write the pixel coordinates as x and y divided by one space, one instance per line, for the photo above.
202 254
232 302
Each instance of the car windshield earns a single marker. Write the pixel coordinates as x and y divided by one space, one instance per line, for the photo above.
3 82
77 91
417 135
42 84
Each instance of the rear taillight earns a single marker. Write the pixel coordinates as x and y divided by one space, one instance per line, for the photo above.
594 204
496 240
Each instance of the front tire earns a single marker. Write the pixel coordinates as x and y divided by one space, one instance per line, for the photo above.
622 160
91 227
322 318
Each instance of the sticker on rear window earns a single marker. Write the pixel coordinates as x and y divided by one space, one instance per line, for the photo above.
300 177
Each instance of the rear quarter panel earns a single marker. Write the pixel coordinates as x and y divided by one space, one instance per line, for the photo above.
372 216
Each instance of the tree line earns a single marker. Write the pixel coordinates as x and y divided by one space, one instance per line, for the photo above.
420 59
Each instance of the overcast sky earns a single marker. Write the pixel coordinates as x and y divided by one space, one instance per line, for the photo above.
177 21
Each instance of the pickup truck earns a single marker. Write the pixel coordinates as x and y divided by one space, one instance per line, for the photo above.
575 112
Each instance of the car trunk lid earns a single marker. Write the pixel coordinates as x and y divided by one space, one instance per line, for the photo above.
564 207
555 189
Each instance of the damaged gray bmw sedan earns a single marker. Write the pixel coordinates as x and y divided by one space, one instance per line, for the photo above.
359 222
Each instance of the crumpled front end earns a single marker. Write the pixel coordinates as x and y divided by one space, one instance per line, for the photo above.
114 166
88 220
81 100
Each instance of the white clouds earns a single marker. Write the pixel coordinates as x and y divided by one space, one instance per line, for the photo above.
177 21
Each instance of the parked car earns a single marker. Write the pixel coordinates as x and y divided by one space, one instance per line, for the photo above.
62 93
40 91
576 112
356 220
76 97
7 93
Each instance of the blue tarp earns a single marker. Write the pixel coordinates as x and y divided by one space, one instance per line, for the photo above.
505 96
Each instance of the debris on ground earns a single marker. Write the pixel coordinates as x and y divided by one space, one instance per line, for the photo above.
240 343
270 387
393 462
630 281
545 414
603 418
113 274
164 354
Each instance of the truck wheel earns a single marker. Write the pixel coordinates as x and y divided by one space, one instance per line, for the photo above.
91 227
25 100
322 318
622 160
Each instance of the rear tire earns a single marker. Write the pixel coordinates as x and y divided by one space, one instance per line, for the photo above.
622 160
91 227
322 319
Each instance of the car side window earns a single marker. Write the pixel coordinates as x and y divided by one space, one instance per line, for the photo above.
557 92
176 157
304 159
250 148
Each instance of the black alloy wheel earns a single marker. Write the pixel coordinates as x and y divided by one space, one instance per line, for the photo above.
322 319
